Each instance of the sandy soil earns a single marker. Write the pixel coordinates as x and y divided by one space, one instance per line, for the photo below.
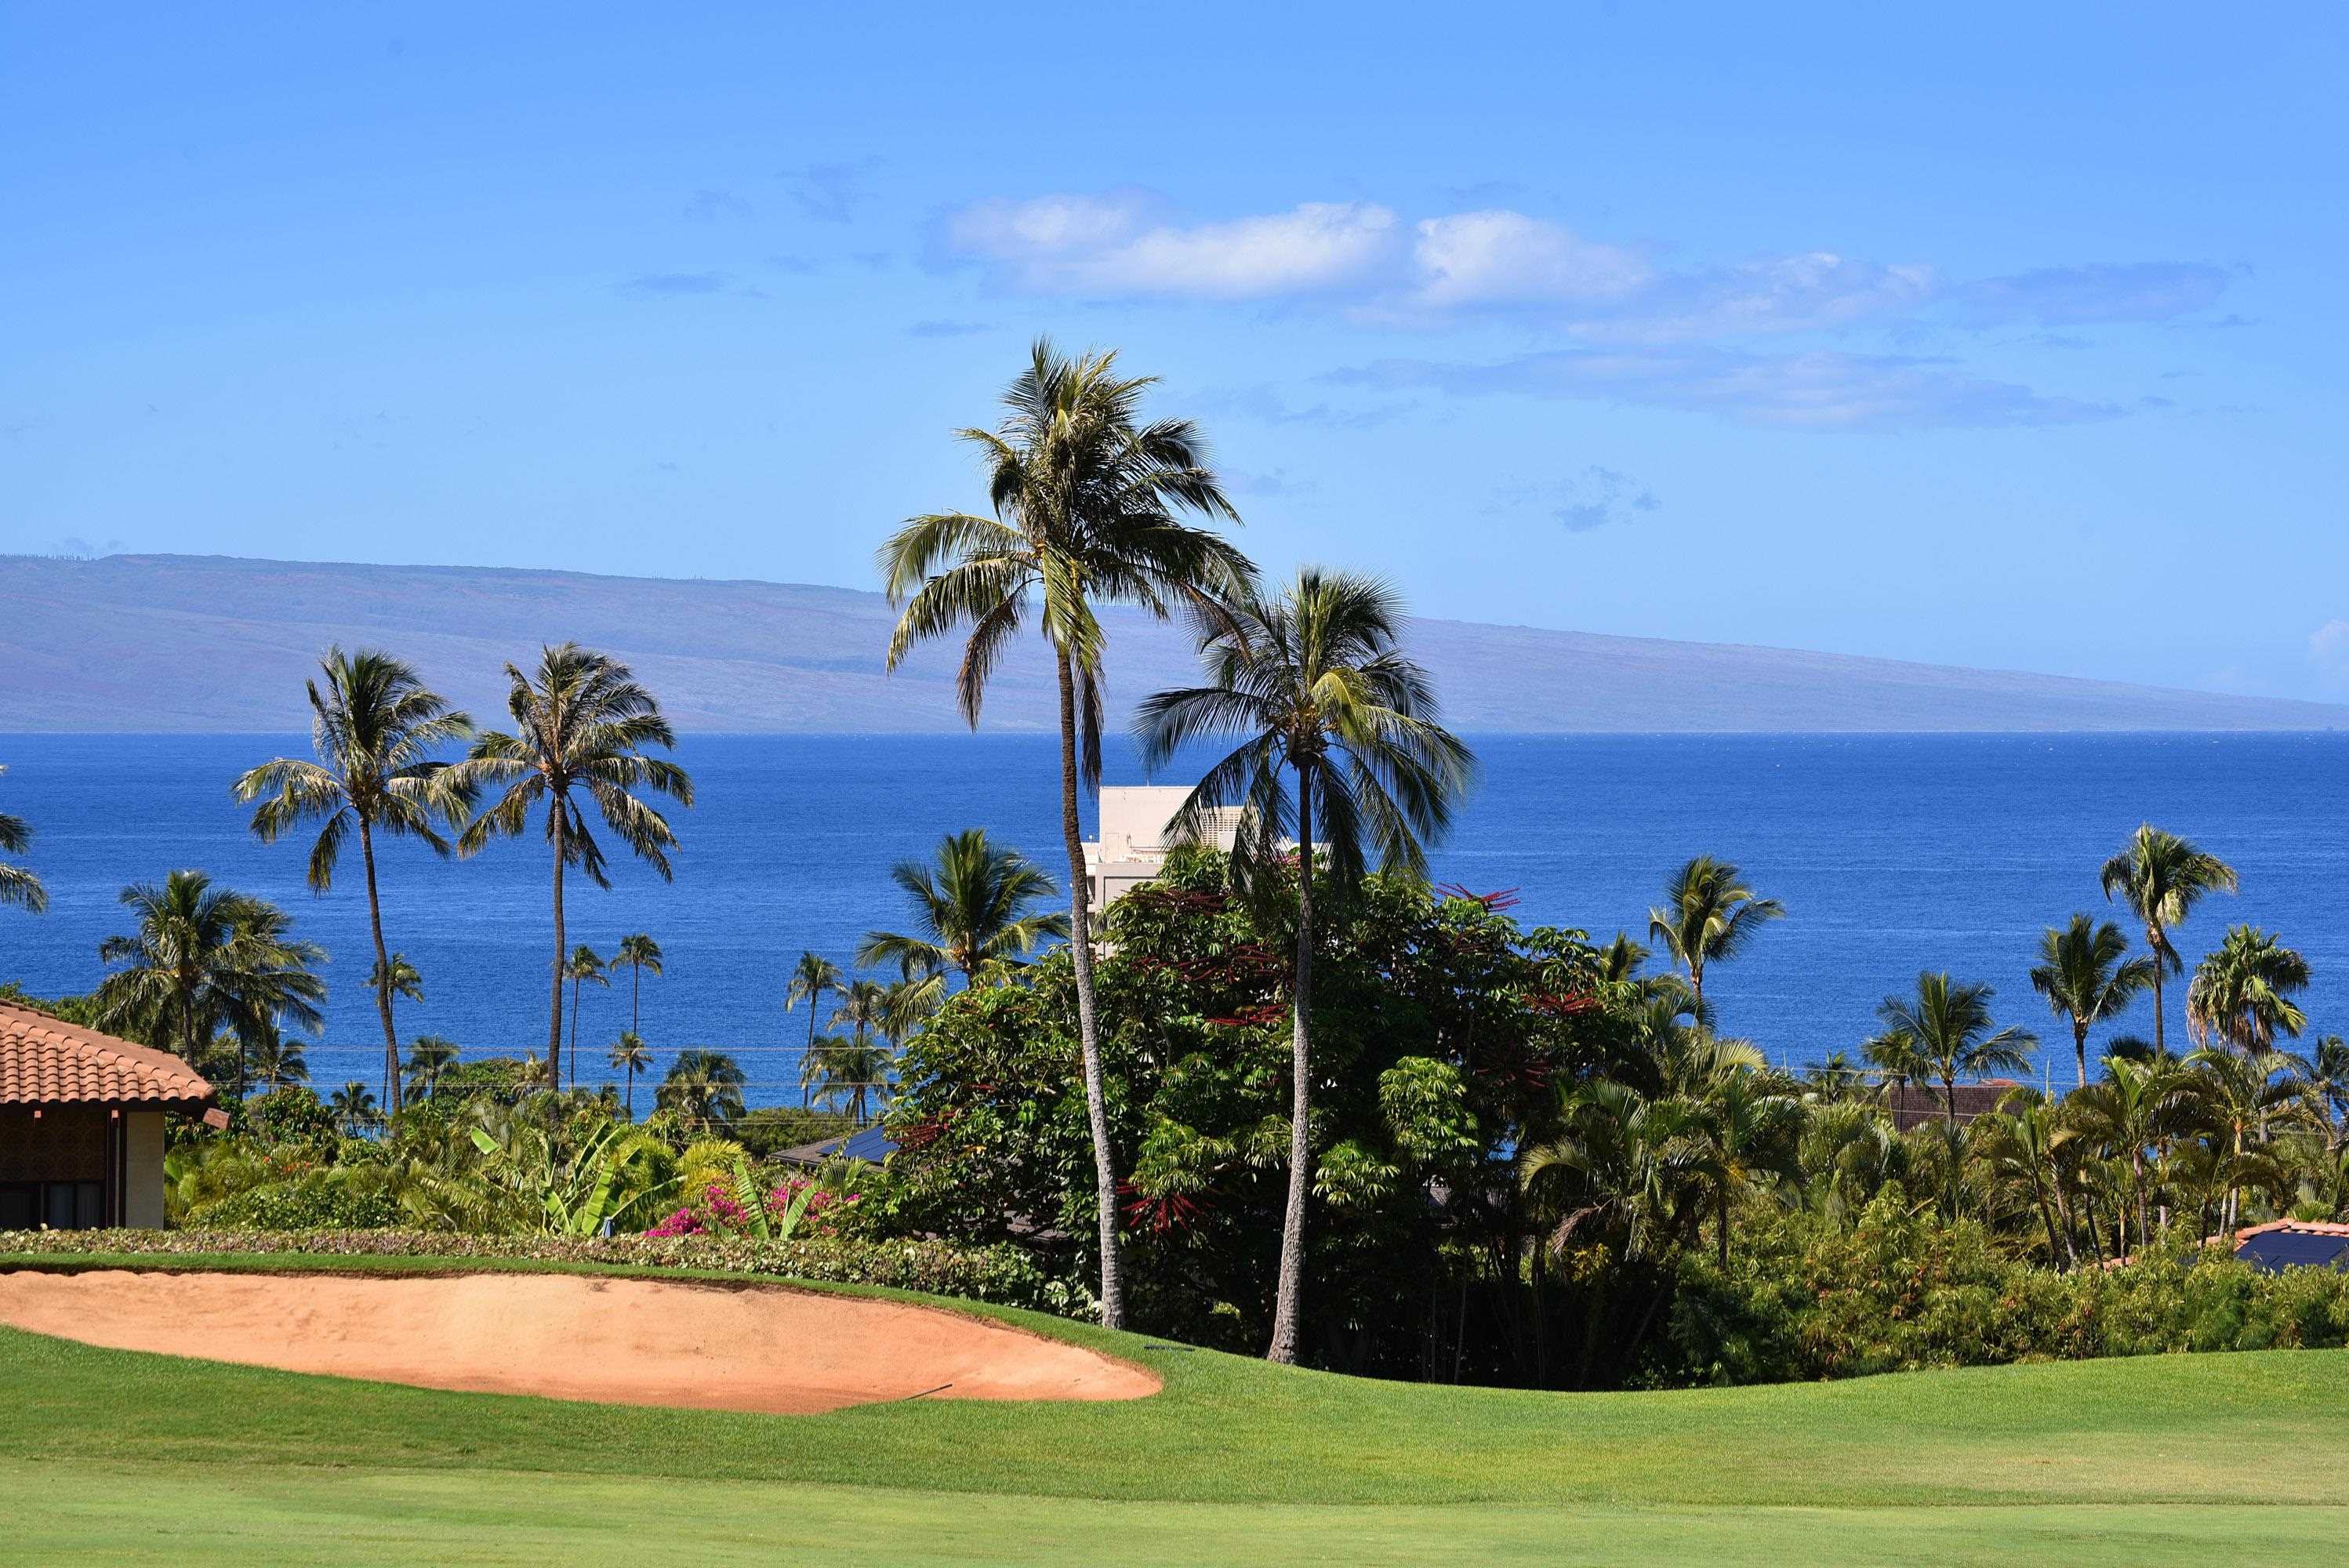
619 1341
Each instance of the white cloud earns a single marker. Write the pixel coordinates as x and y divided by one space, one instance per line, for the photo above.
1109 246
2328 649
1500 257
1813 292
1818 390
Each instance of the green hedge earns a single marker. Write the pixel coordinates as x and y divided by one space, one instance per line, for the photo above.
997 1273
301 1206
1806 1298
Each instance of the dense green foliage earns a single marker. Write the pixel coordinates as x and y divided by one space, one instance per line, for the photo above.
1533 1166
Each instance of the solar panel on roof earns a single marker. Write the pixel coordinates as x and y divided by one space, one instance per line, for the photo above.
2279 1250
872 1143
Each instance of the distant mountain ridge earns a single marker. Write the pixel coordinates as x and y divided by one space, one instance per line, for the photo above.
137 644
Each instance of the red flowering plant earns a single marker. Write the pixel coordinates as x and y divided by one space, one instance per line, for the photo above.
738 1208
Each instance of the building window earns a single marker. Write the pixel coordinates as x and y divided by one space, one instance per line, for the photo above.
59 1205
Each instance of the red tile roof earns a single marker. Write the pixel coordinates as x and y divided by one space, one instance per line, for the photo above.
48 1061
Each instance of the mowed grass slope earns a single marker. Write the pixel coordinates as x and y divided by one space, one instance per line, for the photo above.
2114 1460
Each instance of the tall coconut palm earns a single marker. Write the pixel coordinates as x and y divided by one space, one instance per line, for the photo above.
375 727
430 1056
1316 685
2086 975
1945 1032
702 1087
354 1108
632 1056
1088 502
274 1062
2161 877
583 966
850 1071
972 905
1708 914
580 726
18 885
406 981
2242 992
206 958
639 952
814 979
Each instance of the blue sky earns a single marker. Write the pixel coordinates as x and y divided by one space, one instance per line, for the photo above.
1986 336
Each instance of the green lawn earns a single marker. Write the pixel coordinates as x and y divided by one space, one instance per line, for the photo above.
112 1456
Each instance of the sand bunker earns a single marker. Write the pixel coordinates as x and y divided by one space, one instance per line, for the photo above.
566 1336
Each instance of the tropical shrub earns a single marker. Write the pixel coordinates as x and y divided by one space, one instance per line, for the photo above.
314 1203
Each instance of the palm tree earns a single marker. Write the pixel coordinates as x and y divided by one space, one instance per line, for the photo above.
1620 959
632 1056
406 981
639 952
1087 502
2021 1139
1708 914
375 727
2086 975
2328 1088
849 1070
2161 877
354 1106
206 958
970 906
2241 1095
274 1062
2242 992
813 978
18 886
430 1056
2135 1107
1747 1132
702 1087
909 1003
581 724
1835 1076
582 966
1945 1031
1316 685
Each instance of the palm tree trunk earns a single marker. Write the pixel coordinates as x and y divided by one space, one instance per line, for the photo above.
808 1055
2080 1049
2047 1217
576 981
2161 1042
1949 1101
2063 1208
391 1086
1286 1301
1112 1269
554 1006
636 1001
632 1086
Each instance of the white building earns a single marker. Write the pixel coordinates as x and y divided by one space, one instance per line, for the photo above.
1134 837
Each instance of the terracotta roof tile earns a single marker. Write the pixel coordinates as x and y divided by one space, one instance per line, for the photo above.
48 1061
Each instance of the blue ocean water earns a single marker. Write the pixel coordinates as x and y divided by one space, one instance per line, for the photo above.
1892 854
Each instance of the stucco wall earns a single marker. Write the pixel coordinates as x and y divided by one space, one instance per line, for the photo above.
143 1193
